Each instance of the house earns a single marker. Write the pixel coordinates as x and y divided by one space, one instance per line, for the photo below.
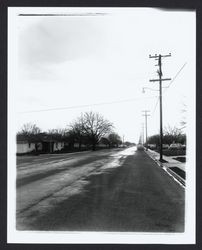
77 145
51 143
25 147
40 143
27 144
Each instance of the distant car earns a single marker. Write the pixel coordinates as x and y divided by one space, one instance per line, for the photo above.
175 146
140 147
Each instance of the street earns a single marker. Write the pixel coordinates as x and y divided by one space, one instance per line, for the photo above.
105 190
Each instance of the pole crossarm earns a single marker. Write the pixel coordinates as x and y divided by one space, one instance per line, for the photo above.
158 80
157 56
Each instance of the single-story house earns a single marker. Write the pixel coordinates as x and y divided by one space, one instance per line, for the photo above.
41 143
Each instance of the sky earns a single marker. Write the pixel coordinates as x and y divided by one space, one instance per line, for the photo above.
82 58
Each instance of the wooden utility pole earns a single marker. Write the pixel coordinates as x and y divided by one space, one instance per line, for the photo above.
143 134
159 58
145 115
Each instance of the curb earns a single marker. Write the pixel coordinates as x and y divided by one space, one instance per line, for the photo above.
168 170
179 178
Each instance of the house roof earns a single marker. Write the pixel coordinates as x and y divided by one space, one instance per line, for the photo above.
26 138
42 137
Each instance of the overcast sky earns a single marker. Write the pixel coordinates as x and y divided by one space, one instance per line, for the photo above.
72 60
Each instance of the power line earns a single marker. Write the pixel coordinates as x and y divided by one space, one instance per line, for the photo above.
169 86
176 75
99 104
155 106
87 105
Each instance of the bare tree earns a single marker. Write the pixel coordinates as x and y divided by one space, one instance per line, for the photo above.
114 139
57 133
174 135
77 131
94 126
171 135
29 129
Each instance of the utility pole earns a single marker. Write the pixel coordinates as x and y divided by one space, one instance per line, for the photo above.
159 71
145 115
143 134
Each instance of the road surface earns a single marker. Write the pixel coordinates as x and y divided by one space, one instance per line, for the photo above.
106 190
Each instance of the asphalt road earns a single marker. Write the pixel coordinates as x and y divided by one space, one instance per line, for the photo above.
107 190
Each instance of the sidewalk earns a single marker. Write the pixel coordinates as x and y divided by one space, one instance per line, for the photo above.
175 168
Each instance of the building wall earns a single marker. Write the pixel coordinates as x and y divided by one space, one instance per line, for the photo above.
76 145
25 147
102 145
58 146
